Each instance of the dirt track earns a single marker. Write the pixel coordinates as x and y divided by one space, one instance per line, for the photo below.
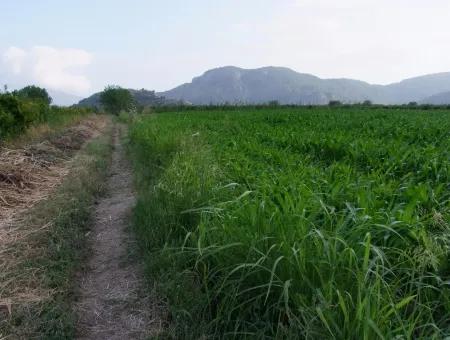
113 301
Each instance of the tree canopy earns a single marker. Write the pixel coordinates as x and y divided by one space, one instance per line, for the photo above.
34 93
115 99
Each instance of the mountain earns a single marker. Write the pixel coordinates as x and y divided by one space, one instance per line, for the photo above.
442 98
62 98
253 86
142 97
419 88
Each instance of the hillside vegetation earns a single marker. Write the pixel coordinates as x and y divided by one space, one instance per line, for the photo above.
438 99
142 98
297 223
256 86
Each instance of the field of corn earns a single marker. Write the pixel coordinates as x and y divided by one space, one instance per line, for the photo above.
297 222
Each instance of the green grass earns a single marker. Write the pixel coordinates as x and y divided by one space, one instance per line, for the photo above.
297 222
48 258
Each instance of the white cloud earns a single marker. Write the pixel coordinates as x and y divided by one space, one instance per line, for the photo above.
15 57
58 69
380 41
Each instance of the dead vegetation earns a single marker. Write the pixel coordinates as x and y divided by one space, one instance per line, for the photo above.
28 176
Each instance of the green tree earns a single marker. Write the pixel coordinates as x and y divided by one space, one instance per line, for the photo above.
12 118
334 103
34 93
274 103
6 122
115 99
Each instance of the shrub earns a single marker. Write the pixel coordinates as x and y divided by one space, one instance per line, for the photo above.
334 103
115 99
30 105
6 121
11 105
34 93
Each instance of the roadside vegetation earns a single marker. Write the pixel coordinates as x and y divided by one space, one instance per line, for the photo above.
43 248
53 161
30 107
278 222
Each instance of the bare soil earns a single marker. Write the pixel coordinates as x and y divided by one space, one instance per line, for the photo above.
113 300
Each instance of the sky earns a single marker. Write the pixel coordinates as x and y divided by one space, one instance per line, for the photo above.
79 47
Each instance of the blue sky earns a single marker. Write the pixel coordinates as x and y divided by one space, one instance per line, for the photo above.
80 46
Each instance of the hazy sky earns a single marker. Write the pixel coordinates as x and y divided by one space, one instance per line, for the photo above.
80 46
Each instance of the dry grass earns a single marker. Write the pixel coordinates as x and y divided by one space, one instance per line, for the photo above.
36 133
29 175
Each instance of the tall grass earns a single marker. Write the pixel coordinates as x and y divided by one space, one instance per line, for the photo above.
298 223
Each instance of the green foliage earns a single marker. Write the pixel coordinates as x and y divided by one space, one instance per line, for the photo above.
115 99
334 103
273 103
13 116
34 93
30 105
6 119
297 222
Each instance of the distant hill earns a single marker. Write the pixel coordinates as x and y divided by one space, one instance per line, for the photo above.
438 99
252 86
143 97
418 88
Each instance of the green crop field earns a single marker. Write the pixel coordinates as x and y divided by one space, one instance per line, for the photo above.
297 222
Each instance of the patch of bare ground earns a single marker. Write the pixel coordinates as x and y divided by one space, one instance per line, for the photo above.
28 176
114 302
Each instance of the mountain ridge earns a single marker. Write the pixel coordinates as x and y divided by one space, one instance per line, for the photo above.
234 85
442 98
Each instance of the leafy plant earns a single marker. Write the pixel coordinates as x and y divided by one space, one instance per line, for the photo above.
115 99
297 222
34 93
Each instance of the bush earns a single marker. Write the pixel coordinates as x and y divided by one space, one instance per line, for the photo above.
30 105
334 103
115 99
34 111
11 106
34 93
6 121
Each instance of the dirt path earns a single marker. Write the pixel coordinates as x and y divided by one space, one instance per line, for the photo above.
113 302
